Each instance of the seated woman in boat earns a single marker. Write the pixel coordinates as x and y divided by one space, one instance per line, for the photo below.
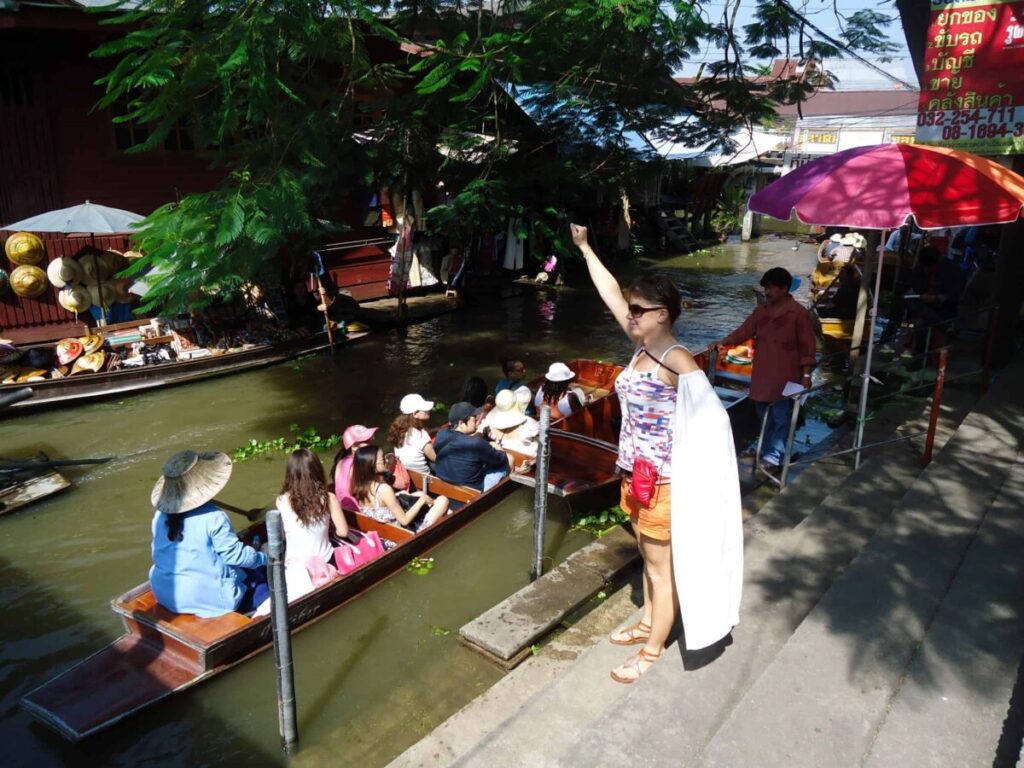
308 510
555 391
352 438
509 428
408 434
474 390
376 499
513 370
200 566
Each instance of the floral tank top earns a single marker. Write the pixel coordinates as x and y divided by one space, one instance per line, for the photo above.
648 408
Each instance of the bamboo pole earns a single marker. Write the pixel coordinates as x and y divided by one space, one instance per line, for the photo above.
287 720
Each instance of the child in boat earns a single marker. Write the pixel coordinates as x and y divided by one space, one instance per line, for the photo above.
200 566
353 437
409 436
376 499
308 510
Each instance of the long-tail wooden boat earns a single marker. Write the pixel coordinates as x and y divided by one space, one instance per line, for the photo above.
83 387
601 417
161 652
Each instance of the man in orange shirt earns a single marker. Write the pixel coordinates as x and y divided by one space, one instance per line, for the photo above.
784 352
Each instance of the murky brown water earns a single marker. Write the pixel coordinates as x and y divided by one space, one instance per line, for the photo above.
375 675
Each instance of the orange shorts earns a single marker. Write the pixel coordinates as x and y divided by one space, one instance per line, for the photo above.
653 520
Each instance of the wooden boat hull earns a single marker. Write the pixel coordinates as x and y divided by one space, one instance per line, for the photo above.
162 653
25 491
602 417
84 387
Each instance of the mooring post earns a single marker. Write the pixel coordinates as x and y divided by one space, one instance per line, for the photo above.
287 721
933 419
540 492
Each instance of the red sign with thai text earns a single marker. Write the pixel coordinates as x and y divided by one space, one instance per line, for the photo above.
972 92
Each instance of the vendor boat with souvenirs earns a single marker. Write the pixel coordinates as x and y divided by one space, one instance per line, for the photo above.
131 357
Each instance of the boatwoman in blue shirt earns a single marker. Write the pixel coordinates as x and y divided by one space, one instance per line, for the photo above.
200 566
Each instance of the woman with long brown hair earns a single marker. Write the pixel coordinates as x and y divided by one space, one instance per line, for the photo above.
378 500
409 436
308 509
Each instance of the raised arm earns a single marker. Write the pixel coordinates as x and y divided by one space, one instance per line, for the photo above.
606 284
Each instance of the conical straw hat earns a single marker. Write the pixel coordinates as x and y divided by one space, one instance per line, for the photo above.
62 271
190 479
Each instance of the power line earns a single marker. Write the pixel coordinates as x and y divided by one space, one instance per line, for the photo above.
786 6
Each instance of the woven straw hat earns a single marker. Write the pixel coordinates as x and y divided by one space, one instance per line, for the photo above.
68 350
507 417
190 479
92 362
28 281
91 343
62 271
74 298
101 295
24 248
523 398
94 269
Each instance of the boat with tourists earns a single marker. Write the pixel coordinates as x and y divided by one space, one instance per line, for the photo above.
162 653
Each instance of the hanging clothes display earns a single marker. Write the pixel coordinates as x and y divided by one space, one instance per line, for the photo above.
514 245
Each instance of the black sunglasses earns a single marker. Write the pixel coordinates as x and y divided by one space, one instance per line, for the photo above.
635 310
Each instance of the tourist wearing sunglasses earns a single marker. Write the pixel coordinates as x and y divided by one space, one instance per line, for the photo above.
680 483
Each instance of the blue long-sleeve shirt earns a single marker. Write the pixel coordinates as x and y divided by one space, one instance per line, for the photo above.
201 574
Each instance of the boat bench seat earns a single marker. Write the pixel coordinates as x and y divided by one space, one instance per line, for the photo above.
141 605
438 487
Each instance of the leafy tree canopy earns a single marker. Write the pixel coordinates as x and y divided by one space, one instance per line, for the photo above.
305 104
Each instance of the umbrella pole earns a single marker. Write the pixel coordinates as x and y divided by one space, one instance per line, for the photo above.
866 376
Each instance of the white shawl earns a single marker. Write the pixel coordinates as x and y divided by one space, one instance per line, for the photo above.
707 522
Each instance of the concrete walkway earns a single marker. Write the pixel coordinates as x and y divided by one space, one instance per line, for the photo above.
879 627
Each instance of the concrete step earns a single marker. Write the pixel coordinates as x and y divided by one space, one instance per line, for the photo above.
951 707
582 717
824 697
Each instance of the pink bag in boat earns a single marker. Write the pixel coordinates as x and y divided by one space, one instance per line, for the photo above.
348 557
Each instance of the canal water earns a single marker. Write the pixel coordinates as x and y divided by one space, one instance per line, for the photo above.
377 674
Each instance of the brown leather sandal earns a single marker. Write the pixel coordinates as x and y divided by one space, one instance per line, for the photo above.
634 663
636 634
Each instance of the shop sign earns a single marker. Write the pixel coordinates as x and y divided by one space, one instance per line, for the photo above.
972 92
819 137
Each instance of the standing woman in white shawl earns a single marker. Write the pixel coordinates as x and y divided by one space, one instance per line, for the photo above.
690 531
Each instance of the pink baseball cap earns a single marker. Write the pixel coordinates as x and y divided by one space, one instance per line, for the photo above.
357 433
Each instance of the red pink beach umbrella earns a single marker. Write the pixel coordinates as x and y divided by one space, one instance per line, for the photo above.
884 186
880 187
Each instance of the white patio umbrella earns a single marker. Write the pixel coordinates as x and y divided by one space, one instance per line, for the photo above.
87 217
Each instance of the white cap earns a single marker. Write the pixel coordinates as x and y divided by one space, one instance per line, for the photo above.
836 238
413 403
559 372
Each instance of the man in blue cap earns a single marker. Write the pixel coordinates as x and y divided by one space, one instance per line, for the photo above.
463 458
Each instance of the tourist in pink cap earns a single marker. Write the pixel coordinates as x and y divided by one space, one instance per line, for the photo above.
354 437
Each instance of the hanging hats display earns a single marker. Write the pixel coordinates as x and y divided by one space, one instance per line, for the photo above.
68 350
74 298
93 267
24 248
28 281
62 271
101 295
93 362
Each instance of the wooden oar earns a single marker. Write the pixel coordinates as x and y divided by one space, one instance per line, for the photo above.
252 515
10 465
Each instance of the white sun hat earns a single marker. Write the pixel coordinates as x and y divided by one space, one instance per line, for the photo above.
412 403
559 372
